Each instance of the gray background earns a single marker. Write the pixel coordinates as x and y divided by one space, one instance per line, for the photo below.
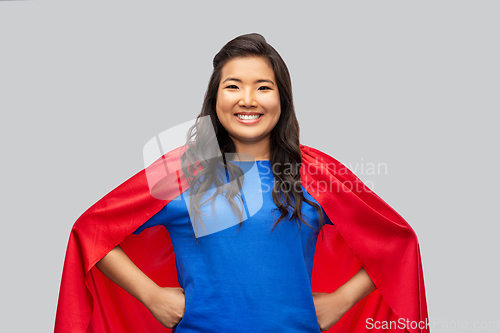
412 86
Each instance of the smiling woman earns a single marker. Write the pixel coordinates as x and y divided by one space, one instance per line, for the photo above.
268 271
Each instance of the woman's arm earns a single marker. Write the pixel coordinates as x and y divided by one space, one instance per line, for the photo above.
330 307
166 304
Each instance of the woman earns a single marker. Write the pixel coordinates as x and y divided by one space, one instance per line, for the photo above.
253 273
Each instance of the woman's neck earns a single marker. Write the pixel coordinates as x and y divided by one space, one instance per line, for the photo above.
258 150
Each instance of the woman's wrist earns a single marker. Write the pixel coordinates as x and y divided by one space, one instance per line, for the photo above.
343 300
149 294
350 293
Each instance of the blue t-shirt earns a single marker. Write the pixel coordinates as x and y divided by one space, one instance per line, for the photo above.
247 280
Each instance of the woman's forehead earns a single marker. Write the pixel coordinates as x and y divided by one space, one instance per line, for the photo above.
247 68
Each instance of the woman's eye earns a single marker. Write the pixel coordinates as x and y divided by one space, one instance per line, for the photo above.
232 86
264 88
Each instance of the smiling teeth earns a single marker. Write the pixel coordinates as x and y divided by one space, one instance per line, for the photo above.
248 117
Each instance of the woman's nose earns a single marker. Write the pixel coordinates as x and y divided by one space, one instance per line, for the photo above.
247 100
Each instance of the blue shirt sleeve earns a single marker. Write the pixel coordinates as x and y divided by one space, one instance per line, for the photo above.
157 219
326 219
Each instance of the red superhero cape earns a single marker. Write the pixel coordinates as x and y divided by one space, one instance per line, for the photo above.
366 233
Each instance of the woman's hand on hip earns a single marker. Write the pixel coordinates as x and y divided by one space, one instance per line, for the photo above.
329 309
167 305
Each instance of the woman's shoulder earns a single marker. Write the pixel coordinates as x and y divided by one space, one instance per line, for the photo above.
310 154
315 159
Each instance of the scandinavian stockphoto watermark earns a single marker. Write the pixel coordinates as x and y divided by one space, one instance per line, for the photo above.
434 324
165 175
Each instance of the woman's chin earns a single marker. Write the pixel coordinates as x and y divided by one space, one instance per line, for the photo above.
255 138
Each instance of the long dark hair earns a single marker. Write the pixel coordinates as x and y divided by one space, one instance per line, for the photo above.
286 156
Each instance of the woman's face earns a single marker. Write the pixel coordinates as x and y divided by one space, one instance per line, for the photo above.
248 101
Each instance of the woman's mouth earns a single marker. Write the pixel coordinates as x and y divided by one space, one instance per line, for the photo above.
247 118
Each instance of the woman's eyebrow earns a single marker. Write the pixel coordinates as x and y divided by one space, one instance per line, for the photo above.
238 80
